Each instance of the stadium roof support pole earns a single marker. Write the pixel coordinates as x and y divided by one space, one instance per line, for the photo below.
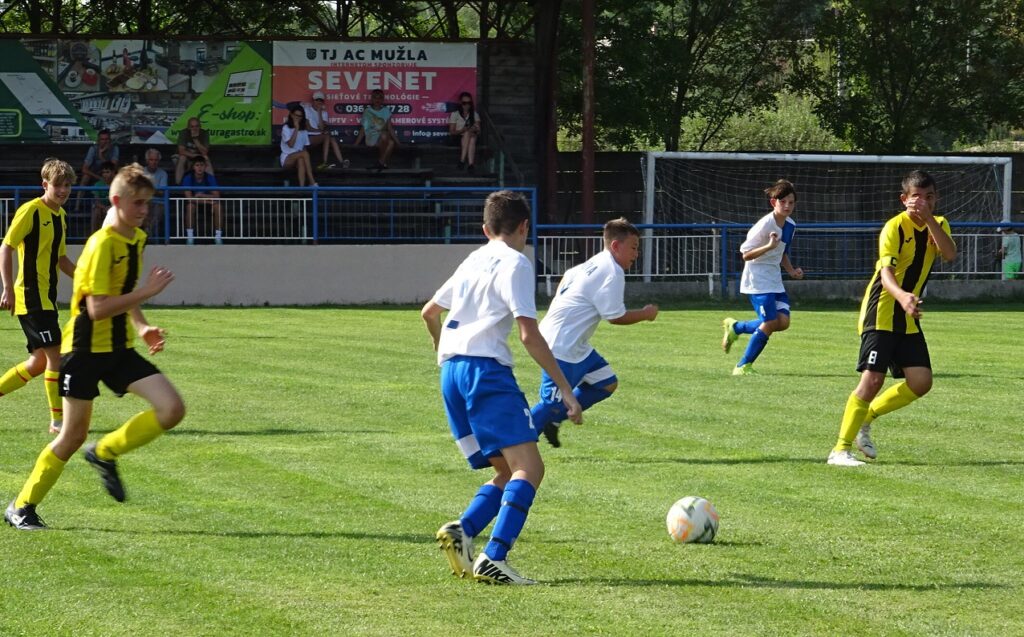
649 213
1007 188
587 158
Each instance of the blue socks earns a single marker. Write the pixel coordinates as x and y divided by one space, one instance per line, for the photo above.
515 505
586 395
481 510
746 327
754 348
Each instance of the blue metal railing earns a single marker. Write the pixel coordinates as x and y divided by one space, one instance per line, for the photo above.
822 250
328 214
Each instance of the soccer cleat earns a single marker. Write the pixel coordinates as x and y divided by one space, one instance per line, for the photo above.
55 426
108 473
488 571
729 335
457 547
843 459
551 433
744 370
865 444
23 519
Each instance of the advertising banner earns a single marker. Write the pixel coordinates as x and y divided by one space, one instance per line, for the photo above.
421 83
142 90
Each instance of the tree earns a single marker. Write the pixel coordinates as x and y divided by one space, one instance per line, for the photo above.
904 75
661 61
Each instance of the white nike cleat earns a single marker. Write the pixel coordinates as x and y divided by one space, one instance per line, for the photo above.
865 444
488 571
843 459
457 547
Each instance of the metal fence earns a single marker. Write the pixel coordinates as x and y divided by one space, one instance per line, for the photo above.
673 252
289 215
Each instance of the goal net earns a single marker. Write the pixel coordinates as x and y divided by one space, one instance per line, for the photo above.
839 190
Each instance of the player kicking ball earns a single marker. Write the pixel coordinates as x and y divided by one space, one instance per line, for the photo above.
97 345
487 413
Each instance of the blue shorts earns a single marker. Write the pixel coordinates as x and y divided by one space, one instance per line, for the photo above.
487 411
592 370
770 305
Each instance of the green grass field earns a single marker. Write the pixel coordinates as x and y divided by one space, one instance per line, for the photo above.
301 493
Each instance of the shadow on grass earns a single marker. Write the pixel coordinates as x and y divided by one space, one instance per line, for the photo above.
271 432
783 460
751 581
409 538
712 461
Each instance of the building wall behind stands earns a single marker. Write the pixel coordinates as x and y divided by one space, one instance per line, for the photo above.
233 275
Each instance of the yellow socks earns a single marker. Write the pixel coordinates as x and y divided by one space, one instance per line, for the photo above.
892 399
140 429
15 378
44 475
53 395
853 417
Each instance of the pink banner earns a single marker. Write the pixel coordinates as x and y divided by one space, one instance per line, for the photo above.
421 83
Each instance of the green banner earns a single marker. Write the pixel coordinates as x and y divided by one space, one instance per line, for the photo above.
235 107
32 107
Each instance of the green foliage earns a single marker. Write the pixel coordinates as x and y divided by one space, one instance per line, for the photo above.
301 493
788 125
658 63
909 76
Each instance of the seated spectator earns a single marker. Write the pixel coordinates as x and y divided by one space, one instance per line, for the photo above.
464 124
375 126
101 197
294 139
205 199
193 142
159 178
103 150
319 133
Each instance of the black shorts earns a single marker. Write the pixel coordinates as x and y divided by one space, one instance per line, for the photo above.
881 351
81 372
42 329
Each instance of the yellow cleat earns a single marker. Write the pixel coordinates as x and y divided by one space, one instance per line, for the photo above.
729 335
744 370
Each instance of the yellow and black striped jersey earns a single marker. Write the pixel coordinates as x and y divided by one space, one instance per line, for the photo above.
109 266
908 249
37 232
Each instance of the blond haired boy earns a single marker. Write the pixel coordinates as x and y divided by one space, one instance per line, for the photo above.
97 345
37 233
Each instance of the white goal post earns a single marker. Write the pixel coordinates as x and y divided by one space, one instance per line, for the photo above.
727 188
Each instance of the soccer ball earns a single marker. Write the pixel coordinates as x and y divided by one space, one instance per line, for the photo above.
692 519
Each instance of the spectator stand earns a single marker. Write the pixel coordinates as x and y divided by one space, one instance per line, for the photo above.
327 214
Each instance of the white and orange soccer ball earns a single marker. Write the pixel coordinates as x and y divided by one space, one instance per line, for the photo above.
692 520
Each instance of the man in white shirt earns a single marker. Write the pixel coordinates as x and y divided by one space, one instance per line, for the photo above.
765 249
487 412
588 293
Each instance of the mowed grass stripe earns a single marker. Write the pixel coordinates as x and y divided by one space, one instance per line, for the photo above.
301 493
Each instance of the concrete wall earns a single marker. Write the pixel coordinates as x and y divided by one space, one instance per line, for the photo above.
362 275
298 275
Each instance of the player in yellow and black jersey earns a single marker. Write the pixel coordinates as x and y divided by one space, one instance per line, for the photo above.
890 317
97 345
37 233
